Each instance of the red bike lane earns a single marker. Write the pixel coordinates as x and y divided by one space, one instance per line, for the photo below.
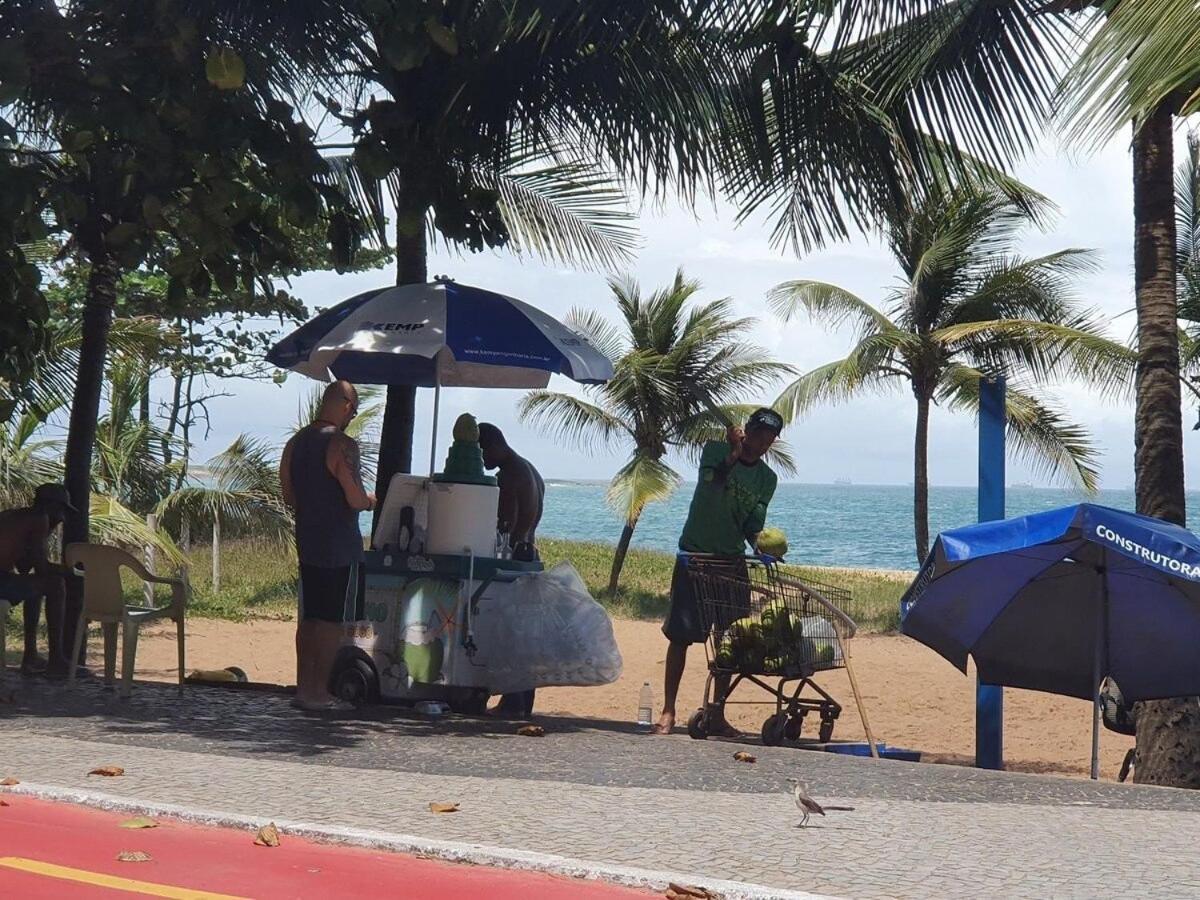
55 850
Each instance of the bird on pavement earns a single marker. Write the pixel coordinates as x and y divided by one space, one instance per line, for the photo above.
806 804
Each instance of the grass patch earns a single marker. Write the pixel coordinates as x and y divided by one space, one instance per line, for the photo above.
258 580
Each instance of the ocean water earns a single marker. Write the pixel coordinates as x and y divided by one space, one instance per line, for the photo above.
863 526
854 525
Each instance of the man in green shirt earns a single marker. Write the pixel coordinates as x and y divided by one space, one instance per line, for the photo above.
729 509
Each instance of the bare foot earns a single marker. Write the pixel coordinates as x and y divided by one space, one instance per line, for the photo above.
665 724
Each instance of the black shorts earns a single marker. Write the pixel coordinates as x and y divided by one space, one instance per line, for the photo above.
332 594
686 623
17 589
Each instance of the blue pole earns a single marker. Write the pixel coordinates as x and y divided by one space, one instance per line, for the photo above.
989 698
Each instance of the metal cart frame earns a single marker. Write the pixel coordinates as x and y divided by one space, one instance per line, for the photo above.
799 622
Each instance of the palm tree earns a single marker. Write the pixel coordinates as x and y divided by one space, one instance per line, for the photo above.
677 365
966 307
1187 261
521 123
242 490
27 459
1138 67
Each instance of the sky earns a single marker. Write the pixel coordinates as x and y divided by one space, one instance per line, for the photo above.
866 441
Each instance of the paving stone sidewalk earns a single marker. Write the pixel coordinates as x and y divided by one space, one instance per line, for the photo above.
607 796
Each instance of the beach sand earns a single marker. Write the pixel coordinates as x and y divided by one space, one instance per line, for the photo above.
914 698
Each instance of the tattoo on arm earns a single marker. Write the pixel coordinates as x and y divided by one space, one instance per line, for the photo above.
352 460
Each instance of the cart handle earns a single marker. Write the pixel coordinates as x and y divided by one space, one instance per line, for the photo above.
847 622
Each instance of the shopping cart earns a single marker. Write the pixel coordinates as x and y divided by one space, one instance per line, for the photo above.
762 623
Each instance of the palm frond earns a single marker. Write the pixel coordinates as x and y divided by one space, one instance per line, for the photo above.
871 366
112 523
1041 435
826 303
1140 55
1046 350
567 212
572 419
604 336
641 481
976 73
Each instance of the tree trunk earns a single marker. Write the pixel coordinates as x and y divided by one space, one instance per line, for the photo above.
173 418
144 399
1168 731
619 558
921 479
85 410
399 413
216 555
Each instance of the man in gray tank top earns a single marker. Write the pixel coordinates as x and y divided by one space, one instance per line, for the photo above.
321 477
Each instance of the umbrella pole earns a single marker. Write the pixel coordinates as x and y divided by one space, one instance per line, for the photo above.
437 403
1098 672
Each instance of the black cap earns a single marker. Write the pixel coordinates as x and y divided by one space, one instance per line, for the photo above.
53 494
765 418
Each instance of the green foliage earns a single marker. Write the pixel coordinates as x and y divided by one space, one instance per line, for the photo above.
241 489
969 307
125 149
674 363
258 580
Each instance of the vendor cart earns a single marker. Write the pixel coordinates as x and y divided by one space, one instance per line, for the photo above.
414 635
761 623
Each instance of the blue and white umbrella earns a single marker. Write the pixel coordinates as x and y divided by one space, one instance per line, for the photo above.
438 335
441 334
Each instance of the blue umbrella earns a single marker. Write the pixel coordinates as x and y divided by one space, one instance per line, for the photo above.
442 334
1058 601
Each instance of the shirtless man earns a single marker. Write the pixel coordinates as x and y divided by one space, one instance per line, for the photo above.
522 495
27 575
321 477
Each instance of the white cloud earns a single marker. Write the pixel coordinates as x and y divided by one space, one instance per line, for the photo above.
867 441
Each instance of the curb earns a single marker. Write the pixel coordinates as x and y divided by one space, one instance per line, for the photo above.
449 851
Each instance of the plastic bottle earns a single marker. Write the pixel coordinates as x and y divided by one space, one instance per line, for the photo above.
645 706
434 709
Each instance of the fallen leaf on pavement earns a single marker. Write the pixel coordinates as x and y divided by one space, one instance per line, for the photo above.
443 807
9 782
139 822
5 803
531 731
268 836
743 756
133 856
108 771
684 892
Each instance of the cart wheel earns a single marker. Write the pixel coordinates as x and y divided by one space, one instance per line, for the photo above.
773 730
794 724
826 731
698 725
355 683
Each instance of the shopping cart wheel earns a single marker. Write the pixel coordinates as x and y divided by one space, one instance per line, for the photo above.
826 731
773 730
794 724
698 725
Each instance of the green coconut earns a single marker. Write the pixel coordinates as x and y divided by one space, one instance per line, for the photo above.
466 429
773 542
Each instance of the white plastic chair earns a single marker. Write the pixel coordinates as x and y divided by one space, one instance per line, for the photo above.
104 602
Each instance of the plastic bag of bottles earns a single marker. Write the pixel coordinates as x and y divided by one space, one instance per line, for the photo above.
544 630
